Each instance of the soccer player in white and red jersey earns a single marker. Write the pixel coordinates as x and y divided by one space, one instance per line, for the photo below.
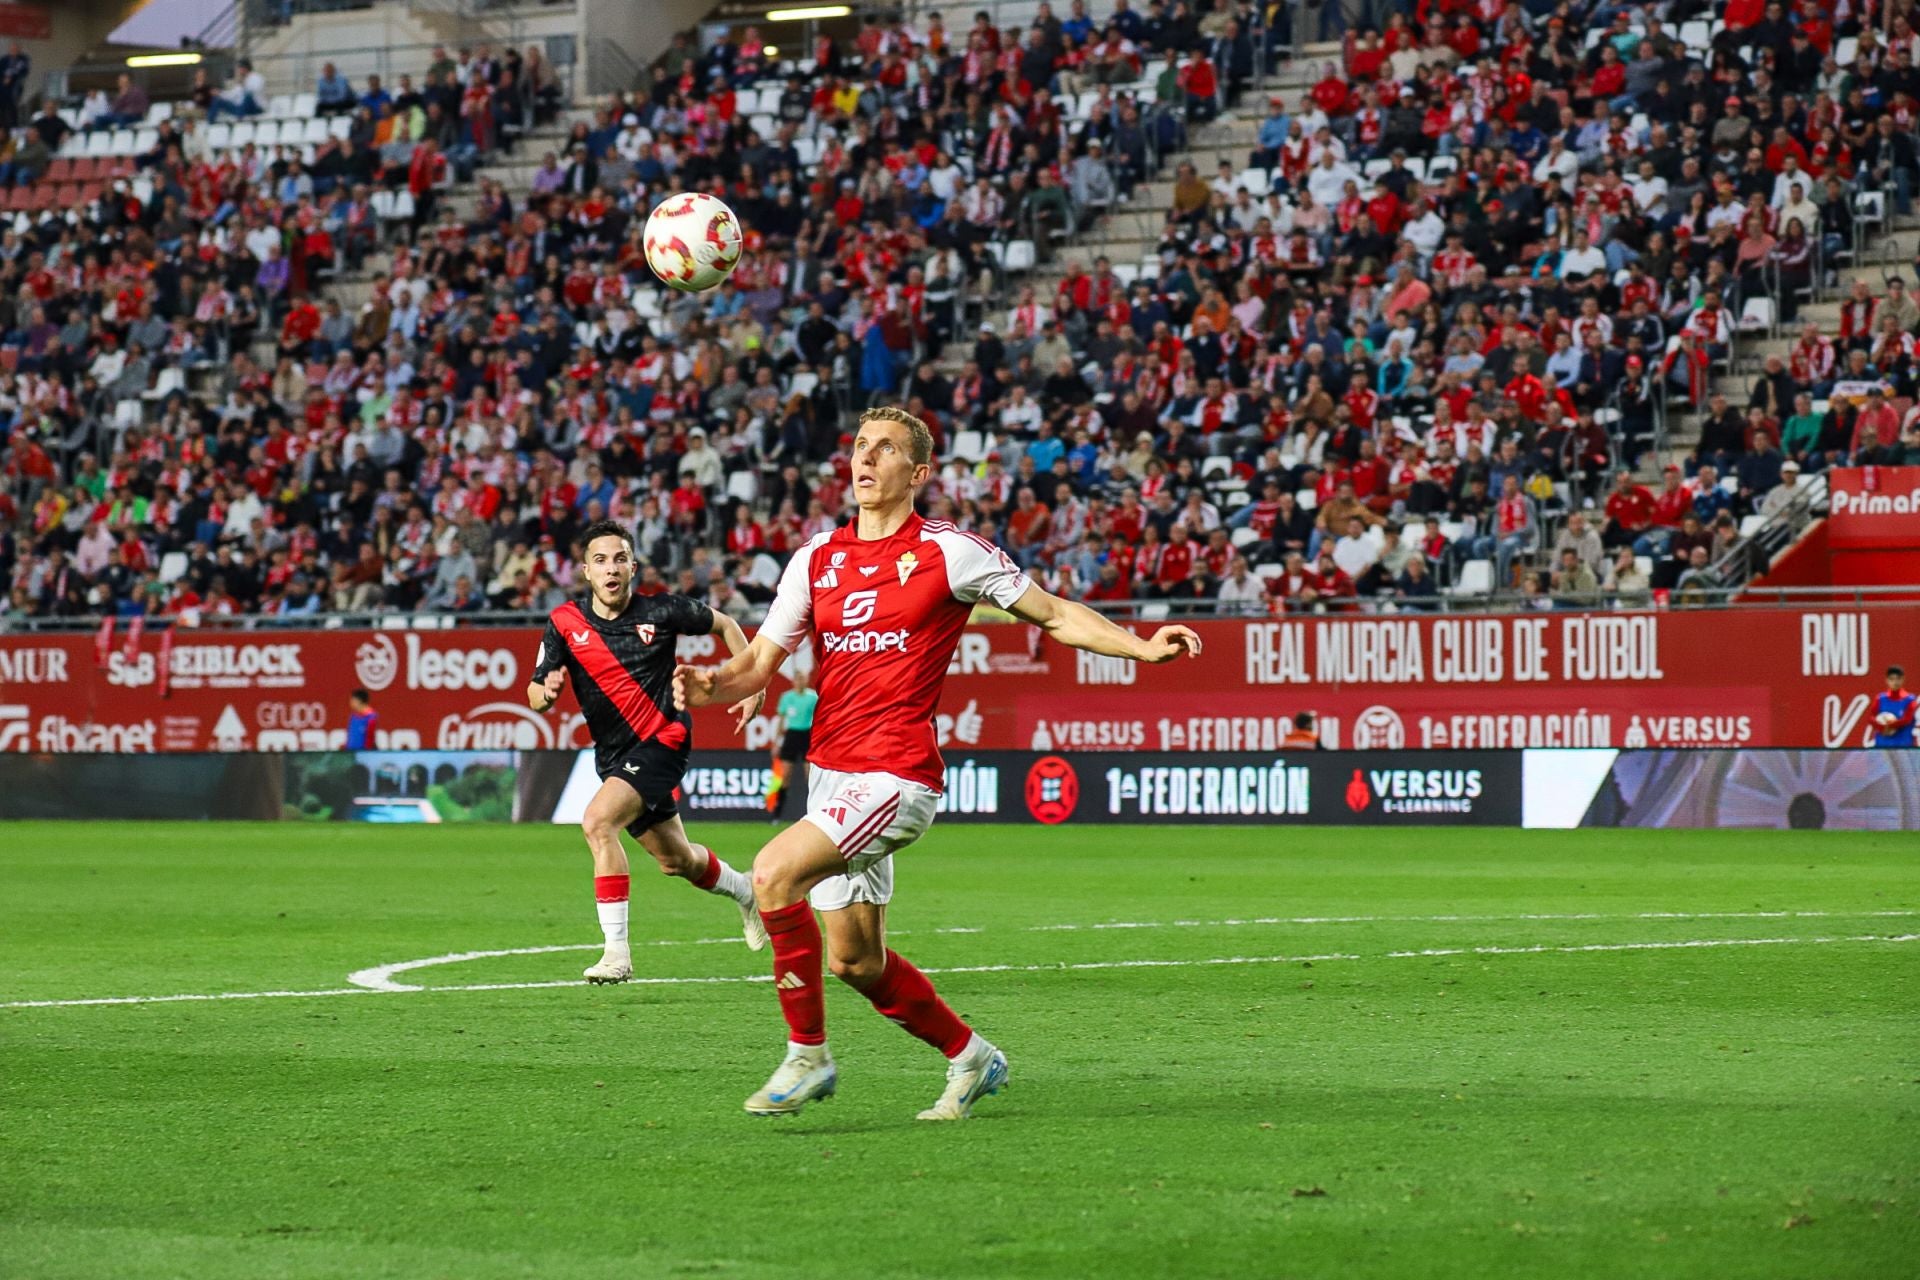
884 600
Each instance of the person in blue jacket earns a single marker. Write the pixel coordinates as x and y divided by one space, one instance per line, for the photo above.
1893 712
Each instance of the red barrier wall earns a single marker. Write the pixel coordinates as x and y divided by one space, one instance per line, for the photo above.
1752 677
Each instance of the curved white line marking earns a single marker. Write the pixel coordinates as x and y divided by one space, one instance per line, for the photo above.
380 977
1075 967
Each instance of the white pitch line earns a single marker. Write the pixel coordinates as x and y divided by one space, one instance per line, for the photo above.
1081 966
380 977
1457 919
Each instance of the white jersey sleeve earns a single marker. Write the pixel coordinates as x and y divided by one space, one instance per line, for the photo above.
977 570
790 616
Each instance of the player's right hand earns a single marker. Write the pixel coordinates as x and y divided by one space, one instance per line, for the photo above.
1169 643
693 686
556 680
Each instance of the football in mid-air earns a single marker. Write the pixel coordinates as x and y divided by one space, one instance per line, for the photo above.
692 241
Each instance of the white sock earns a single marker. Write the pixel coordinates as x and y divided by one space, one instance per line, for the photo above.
737 885
977 1048
729 883
815 1052
613 921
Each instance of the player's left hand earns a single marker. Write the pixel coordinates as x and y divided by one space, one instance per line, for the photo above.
746 709
1169 643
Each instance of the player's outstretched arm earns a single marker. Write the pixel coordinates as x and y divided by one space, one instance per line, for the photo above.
743 676
1075 625
736 641
542 694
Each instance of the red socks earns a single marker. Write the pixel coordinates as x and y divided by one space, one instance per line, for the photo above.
797 951
904 996
711 876
610 888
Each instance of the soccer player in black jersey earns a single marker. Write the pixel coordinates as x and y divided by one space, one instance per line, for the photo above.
619 650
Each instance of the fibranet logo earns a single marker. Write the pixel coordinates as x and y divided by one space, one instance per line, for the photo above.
865 641
1415 790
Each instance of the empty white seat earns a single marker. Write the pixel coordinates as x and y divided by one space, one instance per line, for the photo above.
1021 255
314 133
803 383
99 143
1216 468
1306 499
746 102
1757 313
743 486
1476 578
1752 524
1417 166
339 126
158 112
1244 535
173 566
1846 52
1126 273
1255 181
242 134
304 105
169 381
762 124
1374 168
145 140
969 446
280 106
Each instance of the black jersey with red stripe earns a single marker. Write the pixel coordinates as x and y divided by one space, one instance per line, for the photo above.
622 668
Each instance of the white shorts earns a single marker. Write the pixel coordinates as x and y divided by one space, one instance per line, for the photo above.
868 816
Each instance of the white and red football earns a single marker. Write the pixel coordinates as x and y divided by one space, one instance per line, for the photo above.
692 241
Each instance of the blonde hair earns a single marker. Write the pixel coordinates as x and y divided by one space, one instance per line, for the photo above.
919 438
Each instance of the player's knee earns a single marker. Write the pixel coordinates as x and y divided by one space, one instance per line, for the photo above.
861 970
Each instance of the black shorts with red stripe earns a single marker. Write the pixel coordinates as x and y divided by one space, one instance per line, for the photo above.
653 771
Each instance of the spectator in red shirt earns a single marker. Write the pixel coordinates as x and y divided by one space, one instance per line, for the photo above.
1629 512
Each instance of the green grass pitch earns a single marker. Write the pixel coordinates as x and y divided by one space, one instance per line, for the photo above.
1550 1096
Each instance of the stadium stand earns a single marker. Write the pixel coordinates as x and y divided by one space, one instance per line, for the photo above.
1478 306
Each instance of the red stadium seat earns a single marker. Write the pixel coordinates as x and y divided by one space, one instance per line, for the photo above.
61 170
42 198
67 196
9 358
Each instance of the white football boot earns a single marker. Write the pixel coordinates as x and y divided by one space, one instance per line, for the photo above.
970 1077
615 966
803 1077
750 922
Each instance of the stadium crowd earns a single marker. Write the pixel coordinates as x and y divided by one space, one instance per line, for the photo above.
1356 381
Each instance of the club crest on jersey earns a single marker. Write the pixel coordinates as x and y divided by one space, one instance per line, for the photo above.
645 631
905 565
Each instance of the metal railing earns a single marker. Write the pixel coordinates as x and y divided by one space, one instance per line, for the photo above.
1130 611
